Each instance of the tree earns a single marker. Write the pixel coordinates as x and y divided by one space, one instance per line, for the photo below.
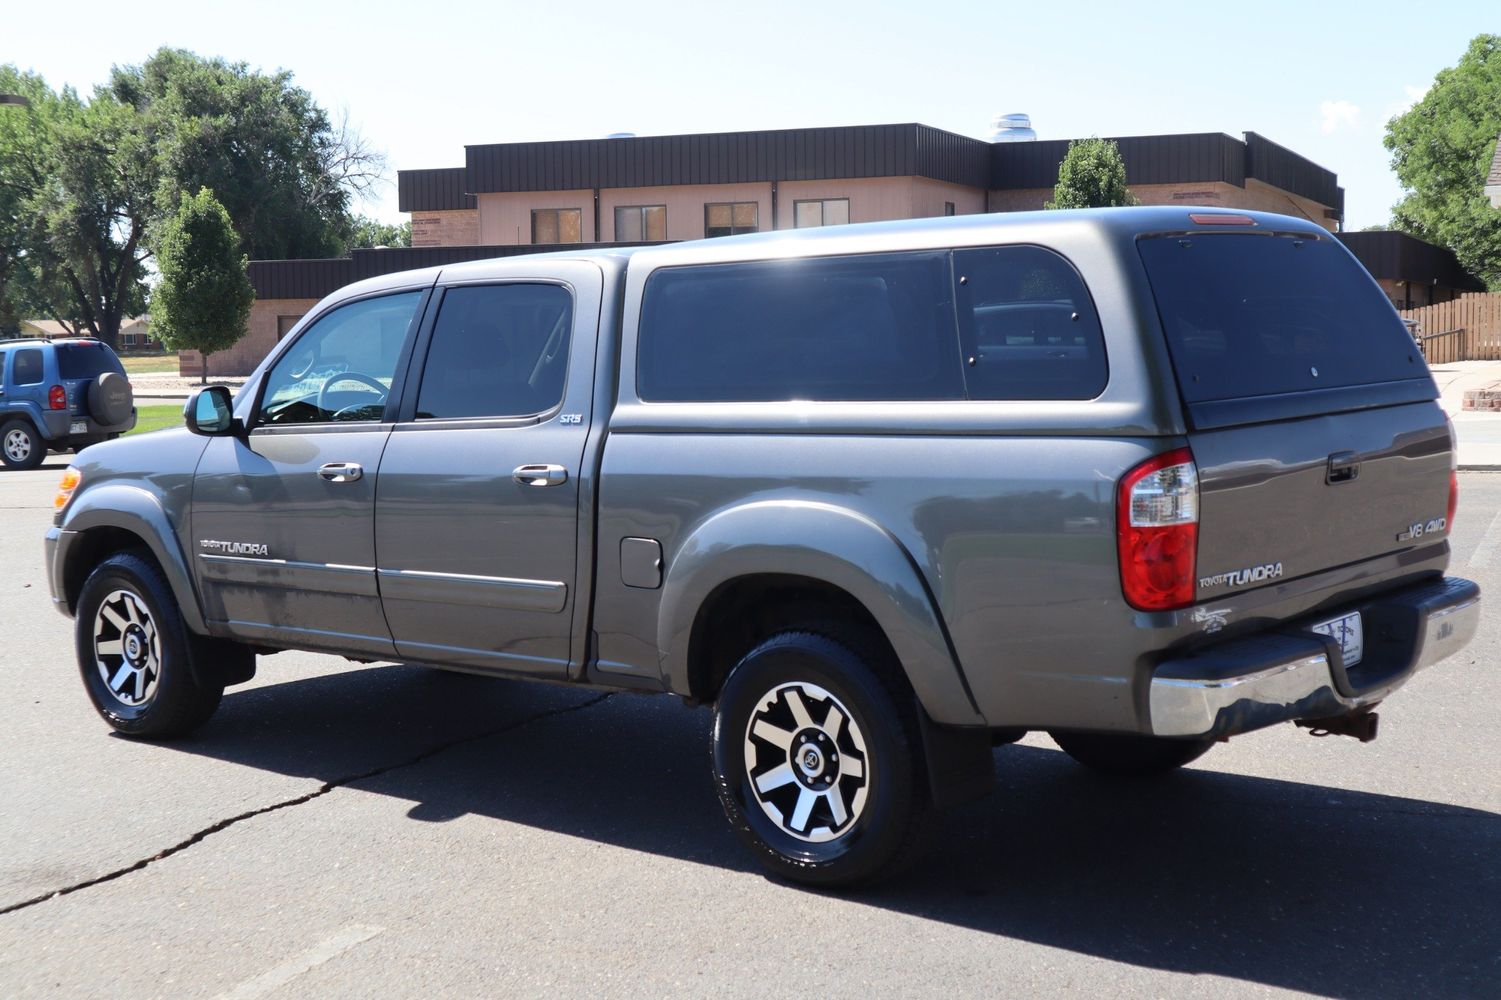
1441 151
86 213
1092 175
365 232
203 300
23 136
283 170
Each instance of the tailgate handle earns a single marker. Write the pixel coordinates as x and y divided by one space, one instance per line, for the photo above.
1344 466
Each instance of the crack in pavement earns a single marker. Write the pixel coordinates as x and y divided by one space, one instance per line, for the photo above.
319 792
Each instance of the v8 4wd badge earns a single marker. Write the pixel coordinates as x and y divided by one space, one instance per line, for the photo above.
1420 528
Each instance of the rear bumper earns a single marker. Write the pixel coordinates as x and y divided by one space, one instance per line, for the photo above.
59 426
1293 673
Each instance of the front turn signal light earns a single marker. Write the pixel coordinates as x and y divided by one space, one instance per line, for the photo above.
71 479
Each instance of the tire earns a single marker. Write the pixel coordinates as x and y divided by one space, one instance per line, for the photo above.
111 398
1130 754
818 761
21 447
136 657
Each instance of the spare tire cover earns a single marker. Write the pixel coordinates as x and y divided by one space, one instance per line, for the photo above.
111 398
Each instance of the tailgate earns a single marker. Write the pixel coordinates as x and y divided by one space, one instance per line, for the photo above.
1312 418
1282 500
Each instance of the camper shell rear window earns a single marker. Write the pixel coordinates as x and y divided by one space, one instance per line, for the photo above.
1261 314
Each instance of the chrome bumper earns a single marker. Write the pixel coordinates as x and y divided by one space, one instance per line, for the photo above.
1260 680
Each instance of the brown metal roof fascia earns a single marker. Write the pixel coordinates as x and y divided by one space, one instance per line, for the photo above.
313 279
1150 159
437 190
1281 167
1395 256
299 279
727 158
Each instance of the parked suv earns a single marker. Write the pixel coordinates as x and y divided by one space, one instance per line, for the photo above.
59 395
882 495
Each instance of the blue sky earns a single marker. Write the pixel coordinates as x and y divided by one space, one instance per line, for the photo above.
423 79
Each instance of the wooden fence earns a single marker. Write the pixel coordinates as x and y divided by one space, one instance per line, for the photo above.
1465 329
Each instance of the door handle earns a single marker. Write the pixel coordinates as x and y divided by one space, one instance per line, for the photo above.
341 472
1344 466
540 475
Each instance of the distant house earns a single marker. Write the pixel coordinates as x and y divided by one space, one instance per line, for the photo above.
135 332
1493 179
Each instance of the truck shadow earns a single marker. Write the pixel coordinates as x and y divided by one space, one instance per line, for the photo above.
1279 883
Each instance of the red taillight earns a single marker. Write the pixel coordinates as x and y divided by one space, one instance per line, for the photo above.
1157 531
57 398
1453 499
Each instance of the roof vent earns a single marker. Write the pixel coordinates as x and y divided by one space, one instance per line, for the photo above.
621 135
1012 128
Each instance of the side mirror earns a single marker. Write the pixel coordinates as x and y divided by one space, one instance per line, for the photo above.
209 412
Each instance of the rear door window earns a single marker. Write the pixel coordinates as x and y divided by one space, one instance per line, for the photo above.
1252 314
86 360
27 369
497 351
869 327
1028 326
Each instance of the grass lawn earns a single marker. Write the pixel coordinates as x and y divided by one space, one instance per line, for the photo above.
155 418
143 363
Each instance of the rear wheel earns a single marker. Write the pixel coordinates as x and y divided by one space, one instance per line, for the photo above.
136 657
818 763
21 447
1128 753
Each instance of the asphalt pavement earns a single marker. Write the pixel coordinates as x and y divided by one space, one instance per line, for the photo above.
347 830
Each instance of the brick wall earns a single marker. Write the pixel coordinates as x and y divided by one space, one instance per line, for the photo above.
1254 197
459 228
268 319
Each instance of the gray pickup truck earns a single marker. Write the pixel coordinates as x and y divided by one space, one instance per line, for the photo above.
882 495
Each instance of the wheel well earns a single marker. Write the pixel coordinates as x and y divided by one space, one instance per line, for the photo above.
741 612
92 548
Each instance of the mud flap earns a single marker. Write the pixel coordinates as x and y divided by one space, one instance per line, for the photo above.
961 766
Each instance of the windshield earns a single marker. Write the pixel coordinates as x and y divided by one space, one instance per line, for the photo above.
1254 314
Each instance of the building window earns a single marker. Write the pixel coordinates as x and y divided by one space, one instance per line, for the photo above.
948 208
824 212
729 218
635 223
127 340
557 225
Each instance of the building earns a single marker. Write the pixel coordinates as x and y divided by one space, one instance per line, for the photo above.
530 196
684 187
1410 271
1493 179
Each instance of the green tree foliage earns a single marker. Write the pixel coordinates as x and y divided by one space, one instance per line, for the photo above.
203 300
365 232
1441 150
283 170
1092 175
78 177
84 182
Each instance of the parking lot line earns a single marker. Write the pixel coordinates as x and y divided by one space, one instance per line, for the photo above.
295 966
1482 555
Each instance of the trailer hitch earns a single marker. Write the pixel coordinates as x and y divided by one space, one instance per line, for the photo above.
1361 725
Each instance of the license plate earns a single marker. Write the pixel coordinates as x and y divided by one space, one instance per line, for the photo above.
1347 632
79 427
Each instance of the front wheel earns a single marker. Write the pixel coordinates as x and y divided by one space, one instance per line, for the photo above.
818 763
135 654
1128 753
